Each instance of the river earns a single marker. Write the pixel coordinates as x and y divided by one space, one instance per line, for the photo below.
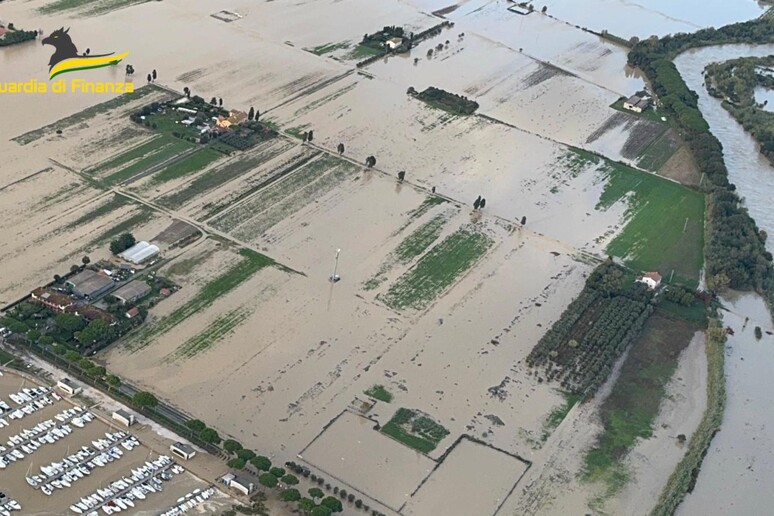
736 472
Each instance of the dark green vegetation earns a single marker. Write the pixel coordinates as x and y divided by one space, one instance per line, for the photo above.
450 102
198 160
217 287
683 479
665 223
735 253
734 82
412 246
122 243
628 413
6 358
579 350
88 113
437 270
194 122
378 40
14 36
415 430
328 48
380 393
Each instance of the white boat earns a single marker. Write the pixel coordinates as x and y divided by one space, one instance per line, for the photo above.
76 509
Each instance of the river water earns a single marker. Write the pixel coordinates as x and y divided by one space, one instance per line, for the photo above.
736 474
747 168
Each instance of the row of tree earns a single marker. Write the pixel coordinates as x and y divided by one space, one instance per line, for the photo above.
580 348
13 37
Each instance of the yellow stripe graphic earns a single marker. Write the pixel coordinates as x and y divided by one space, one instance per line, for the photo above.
85 63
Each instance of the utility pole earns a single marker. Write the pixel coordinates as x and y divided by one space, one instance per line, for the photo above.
335 277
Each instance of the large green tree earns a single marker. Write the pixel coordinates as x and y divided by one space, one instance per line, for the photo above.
145 399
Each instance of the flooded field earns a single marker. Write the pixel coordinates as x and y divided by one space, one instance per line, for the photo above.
60 417
739 460
436 304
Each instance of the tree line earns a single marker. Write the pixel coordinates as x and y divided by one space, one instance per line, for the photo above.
735 253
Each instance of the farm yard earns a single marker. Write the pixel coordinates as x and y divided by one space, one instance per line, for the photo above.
430 360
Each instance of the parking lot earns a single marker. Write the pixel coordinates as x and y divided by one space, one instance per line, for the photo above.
57 457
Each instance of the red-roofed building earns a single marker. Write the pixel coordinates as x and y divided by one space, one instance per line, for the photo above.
54 300
651 279
132 312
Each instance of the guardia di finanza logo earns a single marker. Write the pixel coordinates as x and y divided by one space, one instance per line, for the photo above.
67 59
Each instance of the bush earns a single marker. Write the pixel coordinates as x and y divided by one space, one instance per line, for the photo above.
332 503
268 480
245 454
261 463
236 463
231 446
208 435
290 480
195 425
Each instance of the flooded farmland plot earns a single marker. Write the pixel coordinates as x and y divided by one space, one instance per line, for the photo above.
551 41
69 429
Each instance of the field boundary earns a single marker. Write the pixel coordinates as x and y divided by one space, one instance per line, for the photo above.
438 462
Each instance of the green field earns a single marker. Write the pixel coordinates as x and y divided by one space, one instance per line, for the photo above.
213 290
328 48
5 357
164 148
412 246
88 113
415 430
437 270
628 413
427 204
379 392
225 172
195 162
364 51
658 152
87 7
656 236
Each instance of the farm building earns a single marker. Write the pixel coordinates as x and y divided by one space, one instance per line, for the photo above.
651 279
92 313
132 291
54 300
68 386
636 103
234 118
393 43
140 252
124 417
89 284
182 450
240 484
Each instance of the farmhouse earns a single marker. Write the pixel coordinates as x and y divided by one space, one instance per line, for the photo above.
636 103
651 279
182 450
89 284
234 118
393 43
132 291
68 386
54 300
124 417
140 252
92 313
240 484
